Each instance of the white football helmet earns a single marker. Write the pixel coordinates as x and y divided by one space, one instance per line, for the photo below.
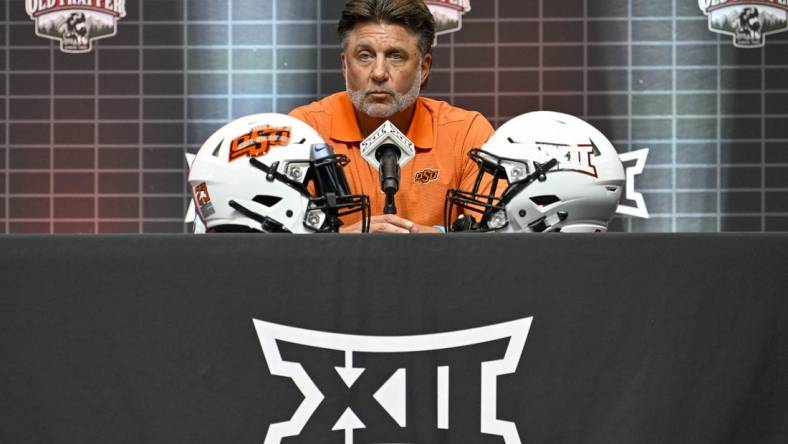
271 173
560 173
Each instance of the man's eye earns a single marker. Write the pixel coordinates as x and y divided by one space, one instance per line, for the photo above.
396 56
365 56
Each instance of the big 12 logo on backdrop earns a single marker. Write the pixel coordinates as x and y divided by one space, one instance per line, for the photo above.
423 389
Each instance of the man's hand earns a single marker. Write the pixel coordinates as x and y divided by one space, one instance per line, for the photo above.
424 229
389 223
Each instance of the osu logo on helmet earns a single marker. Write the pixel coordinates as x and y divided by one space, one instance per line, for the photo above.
258 141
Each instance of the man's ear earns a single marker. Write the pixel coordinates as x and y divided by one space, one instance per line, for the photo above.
426 65
343 62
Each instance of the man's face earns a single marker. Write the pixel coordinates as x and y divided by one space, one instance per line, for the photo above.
383 68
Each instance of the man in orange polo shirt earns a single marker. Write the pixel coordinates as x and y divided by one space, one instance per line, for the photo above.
386 60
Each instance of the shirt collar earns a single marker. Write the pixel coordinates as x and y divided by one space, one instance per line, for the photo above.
420 131
346 129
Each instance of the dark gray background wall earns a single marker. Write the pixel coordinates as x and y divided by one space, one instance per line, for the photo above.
94 143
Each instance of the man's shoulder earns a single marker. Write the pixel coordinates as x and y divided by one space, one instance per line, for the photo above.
448 114
326 106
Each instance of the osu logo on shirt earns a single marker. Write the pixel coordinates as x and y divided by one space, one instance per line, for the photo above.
258 141
426 175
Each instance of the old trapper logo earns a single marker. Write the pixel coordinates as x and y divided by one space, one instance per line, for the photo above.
449 376
76 23
748 21
448 14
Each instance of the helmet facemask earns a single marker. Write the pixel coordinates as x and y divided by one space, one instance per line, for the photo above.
329 201
491 207
473 201
327 176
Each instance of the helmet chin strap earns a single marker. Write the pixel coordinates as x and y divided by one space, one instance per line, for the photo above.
549 222
464 223
540 174
267 224
272 174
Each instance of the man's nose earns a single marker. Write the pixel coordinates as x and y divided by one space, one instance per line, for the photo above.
380 70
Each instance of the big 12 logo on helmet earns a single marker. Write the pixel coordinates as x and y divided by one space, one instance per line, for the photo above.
416 389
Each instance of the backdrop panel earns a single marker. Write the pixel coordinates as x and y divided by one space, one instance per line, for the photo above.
94 142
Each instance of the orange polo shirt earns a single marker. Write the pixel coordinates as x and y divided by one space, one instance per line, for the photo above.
442 134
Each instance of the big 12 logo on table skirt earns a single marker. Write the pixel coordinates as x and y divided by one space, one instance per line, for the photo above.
417 389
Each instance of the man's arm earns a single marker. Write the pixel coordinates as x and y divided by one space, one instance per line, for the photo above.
478 134
302 116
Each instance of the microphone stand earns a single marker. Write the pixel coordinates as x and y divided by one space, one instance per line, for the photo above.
391 206
388 155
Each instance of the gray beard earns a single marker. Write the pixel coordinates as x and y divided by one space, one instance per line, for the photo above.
401 101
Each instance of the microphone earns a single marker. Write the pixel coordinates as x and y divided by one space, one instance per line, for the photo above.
388 150
329 178
330 181
388 156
